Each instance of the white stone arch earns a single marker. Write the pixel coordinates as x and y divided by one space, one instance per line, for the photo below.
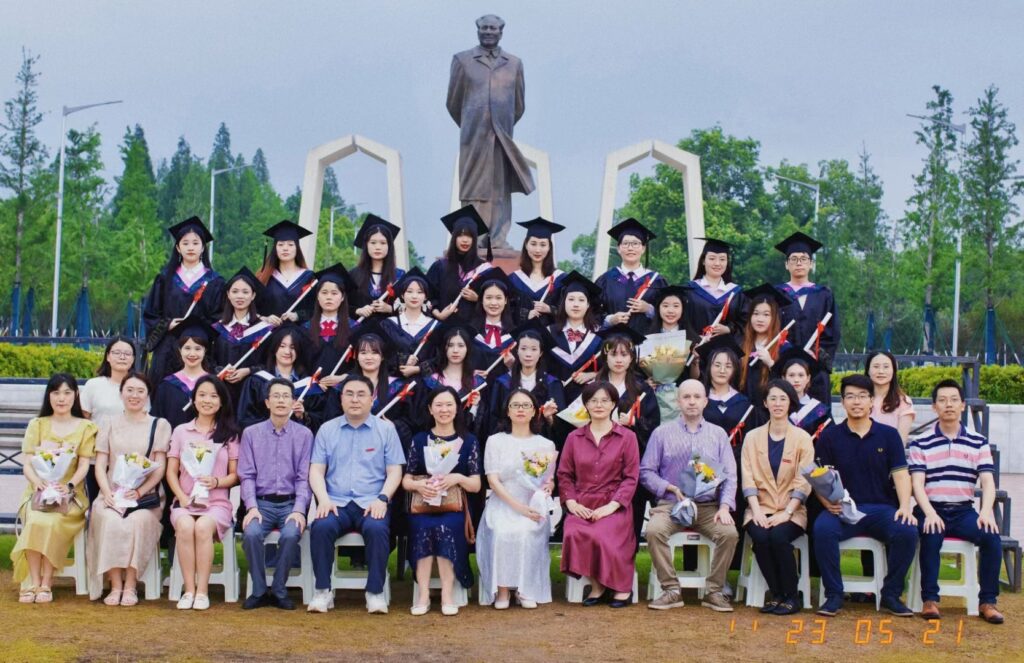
322 156
686 163
539 161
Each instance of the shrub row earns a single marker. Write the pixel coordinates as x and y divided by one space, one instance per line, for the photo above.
42 361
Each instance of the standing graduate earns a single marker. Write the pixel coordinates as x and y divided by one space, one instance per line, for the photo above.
285 358
620 285
407 329
493 321
453 367
575 332
708 294
668 310
537 280
186 276
798 369
285 275
726 403
193 341
329 327
811 302
376 269
451 276
238 328
763 324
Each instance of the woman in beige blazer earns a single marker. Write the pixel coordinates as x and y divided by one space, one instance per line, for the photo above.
775 492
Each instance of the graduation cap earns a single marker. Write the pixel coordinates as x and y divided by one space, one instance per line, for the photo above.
541 227
493 276
194 327
794 355
445 330
712 245
414 275
576 282
286 231
624 331
190 225
534 329
798 243
631 227
337 274
366 329
766 292
371 225
720 342
468 219
670 291
245 274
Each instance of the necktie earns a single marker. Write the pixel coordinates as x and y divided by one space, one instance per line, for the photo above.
327 328
632 279
492 335
237 330
574 336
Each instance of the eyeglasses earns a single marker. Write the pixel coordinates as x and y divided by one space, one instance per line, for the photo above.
631 245
856 397
600 402
121 353
802 260
520 406
280 397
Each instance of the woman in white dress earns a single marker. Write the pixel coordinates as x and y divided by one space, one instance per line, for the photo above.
512 544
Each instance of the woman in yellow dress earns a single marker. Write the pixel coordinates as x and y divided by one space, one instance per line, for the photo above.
48 532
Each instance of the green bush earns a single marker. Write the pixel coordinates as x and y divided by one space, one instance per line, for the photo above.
999 384
42 361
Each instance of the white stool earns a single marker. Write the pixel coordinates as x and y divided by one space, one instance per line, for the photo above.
303 578
459 593
687 579
74 567
351 579
574 588
226 576
152 577
967 586
865 584
751 581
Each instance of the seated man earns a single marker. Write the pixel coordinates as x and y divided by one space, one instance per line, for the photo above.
945 463
870 460
273 467
668 453
356 468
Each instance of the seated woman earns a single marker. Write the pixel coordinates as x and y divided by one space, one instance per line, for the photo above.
597 478
799 369
49 529
438 534
122 540
197 521
512 545
775 492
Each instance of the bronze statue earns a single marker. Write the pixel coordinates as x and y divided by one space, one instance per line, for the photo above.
486 98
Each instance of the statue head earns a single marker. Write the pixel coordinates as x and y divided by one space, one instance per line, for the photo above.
488 30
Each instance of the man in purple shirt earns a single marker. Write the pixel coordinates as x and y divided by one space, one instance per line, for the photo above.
671 448
273 467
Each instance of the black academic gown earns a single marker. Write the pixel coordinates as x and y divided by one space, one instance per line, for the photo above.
727 414
252 408
616 288
486 352
811 415
323 353
752 388
170 298
563 361
820 301
227 349
547 388
405 344
700 308
276 298
527 294
172 401
366 296
447 291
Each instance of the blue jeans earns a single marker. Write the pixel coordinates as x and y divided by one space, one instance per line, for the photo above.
961 523
325 531
900 545
274 515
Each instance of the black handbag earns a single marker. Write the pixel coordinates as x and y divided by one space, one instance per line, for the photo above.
150 500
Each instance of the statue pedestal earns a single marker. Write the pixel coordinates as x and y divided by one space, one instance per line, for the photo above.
506 259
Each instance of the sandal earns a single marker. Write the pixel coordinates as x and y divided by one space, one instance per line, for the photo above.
44 595
129 598
28 595
113 598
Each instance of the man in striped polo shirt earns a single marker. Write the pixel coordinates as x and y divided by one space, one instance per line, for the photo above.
945 464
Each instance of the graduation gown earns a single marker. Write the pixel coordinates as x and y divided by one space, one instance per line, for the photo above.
547 388
405 344
252 408
172 395
447 290
819 301
811 415
170 298
752 388
528 292
228 349
322 353
277 298
727 414
365 296
486 352
700 308
616 288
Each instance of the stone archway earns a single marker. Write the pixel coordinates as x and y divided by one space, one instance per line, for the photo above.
686 163
322 156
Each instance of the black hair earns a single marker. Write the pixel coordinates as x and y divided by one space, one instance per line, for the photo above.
591 388
467 363
590 319
228 314
857 381
505 422
894 398
225 428
547 266
271 263
480 316
295 333
56 381
633 385
657 324
947 384
363 271
275 382
375 343
177 363
104 369
136 375
355 377
460 419
516 374
786 388
701 271
731 356
342 331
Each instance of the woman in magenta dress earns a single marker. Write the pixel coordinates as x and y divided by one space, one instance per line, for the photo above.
597 477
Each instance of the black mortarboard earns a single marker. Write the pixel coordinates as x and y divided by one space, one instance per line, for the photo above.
245 274
286 231
632 227
446 329
793 354
366 328
635 337
541 227
712 245
798 243
720 342
371 224
463 219
767 291
190 225
194 327
413 275
537 330
670 291
576 282
492 276
336 273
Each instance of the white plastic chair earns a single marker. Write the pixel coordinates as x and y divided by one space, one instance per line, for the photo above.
75 567
301 578
152 578
687 579
346 579
866 584
967 587
751 581
226 576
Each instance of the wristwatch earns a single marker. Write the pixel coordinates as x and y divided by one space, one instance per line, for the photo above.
71 486
384 498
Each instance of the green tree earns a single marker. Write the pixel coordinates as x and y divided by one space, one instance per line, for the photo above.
259 167
172 182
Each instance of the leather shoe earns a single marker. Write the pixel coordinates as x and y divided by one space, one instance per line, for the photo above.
592 600
930 610
284 603
252 602
622 603
990 614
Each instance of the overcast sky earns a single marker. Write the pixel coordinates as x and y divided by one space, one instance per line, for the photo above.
810 80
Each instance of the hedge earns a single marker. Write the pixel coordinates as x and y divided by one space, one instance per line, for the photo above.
42 361
999 384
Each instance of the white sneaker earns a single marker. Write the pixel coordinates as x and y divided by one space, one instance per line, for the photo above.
449 610
202 602
375 603
186 601
323 600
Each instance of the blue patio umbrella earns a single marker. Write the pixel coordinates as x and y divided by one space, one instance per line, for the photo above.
30 305
870 341
16 310
83 316
129 319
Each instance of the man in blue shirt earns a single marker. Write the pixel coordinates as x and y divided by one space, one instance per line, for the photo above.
355 469
870 460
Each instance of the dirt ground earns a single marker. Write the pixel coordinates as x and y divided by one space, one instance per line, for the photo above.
73 629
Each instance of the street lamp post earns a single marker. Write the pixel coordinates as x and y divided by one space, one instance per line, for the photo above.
336 207
807 185
213 185
65 111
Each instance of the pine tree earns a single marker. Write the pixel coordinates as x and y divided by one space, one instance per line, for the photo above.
259 167
172 182
136 150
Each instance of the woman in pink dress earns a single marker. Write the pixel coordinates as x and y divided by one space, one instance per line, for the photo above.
196 521
597 477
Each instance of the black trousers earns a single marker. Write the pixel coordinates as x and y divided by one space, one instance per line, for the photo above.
773 548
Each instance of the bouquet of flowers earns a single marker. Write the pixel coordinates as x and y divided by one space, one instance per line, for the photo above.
129 472
440 457
536 471
825 481
663 356
575 413
198 460
51 463
697 480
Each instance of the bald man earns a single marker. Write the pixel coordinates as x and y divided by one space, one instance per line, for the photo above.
671 447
